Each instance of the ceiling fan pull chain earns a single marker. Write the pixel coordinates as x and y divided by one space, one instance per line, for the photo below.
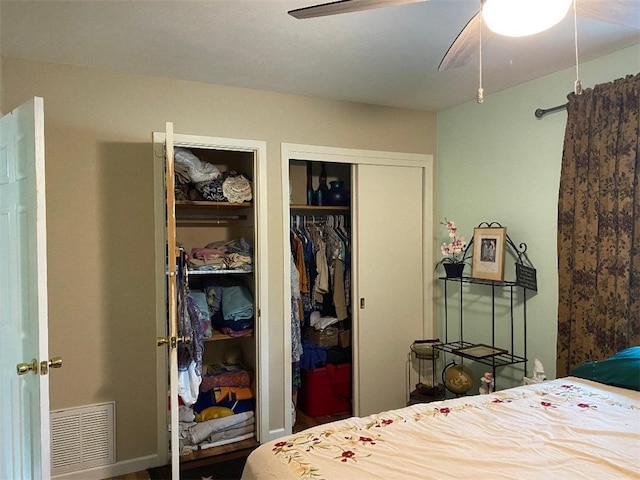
480 97
577 88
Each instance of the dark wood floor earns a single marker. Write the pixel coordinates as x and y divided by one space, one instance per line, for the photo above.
304 421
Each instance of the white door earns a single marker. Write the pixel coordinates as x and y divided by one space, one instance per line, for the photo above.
24 381
389 296
171 338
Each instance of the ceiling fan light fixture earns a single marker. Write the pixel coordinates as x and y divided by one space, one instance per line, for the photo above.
519 18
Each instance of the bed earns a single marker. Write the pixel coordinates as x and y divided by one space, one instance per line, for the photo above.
565 428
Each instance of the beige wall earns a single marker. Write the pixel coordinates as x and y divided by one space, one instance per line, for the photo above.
98 128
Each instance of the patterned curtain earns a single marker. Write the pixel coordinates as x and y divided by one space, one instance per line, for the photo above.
599 225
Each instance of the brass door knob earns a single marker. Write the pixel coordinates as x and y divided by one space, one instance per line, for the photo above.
54 362
24 368
173 341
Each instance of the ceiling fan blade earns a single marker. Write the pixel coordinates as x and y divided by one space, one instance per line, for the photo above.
344 6
465 46
619 12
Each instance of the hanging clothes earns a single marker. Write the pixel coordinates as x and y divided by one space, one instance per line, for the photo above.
191 324
320 249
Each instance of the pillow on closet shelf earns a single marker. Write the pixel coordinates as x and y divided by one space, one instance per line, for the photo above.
619 370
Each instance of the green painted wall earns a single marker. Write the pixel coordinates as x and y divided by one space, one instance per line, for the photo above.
498 162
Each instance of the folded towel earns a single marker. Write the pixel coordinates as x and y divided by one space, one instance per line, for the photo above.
231 433
198 432
237 303
200 298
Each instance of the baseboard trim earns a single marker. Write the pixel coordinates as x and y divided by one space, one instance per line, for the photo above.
115 469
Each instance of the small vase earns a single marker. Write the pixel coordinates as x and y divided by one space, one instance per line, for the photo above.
311 195
323 189
453 270
337 196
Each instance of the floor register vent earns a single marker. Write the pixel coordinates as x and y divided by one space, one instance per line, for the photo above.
82 438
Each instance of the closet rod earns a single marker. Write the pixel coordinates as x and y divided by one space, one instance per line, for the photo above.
317 221
539 113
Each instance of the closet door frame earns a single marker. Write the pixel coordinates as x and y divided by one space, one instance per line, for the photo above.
261 273
316 153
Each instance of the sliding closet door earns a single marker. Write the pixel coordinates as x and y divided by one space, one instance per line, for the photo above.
389 289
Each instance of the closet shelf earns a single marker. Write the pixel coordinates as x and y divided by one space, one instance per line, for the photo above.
193 458
197 212
217 336
319 208
218 272
207 219
206 203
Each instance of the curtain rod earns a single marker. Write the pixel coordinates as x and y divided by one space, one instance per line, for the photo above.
539 113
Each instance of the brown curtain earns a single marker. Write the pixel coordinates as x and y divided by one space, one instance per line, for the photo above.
599 225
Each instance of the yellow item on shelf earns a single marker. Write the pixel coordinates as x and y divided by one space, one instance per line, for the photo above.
213 412
232 394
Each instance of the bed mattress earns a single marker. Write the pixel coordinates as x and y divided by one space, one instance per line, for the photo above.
566 428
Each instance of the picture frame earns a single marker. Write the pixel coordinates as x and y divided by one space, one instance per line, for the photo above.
479 350
488 253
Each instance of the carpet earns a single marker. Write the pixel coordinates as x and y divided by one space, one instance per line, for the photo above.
225 470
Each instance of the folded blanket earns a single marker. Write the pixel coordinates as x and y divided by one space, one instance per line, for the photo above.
200 299
231 433
232 332
221 375
237 303
199 431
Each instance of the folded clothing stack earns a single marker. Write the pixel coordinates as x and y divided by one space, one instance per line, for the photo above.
224 410
230 307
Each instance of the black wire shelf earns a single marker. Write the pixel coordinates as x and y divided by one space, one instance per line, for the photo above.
497 360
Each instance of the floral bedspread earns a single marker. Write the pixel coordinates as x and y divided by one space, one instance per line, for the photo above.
565 428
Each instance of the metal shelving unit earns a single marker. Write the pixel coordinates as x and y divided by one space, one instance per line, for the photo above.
494 356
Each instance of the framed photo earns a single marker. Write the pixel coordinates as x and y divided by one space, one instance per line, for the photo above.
488 253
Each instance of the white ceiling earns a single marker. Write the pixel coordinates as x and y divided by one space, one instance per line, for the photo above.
387 56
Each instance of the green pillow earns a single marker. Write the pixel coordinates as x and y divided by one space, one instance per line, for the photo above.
620 370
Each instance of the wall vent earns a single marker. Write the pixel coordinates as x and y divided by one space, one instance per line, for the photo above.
82 438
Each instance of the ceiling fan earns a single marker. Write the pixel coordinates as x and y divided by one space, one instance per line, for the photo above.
465 45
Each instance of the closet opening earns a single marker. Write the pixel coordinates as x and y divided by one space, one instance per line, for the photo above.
211 282
321 295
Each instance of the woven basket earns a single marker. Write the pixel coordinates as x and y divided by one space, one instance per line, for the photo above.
325 338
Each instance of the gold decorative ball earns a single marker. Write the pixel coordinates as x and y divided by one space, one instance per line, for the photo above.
458 378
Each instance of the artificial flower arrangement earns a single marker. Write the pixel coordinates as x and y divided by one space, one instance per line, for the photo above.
454 251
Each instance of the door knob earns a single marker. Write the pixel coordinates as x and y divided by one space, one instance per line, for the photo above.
54 362
24 368
173 341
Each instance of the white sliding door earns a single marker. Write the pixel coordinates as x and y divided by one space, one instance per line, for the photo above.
389 290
